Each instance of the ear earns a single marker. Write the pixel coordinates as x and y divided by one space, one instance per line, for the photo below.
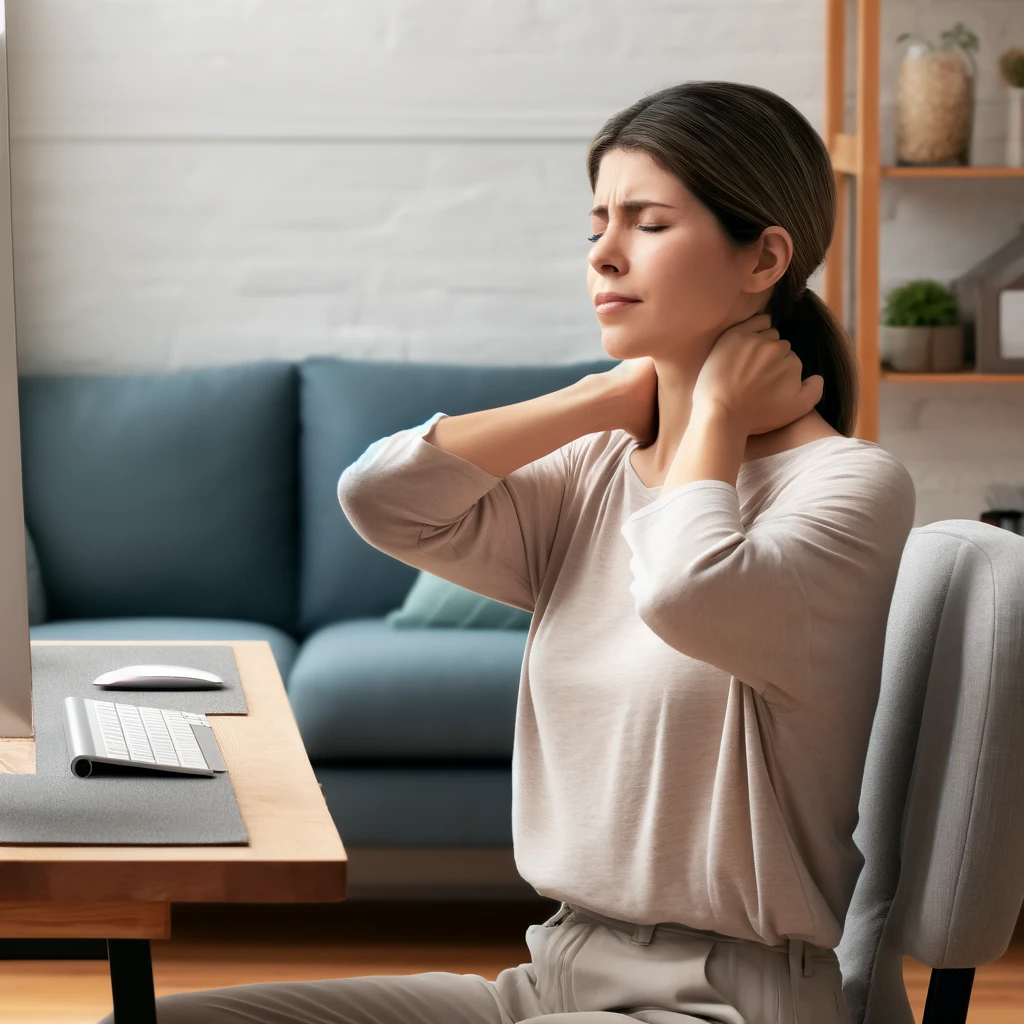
773 260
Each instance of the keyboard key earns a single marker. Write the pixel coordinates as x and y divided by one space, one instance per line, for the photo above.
135 733
110 730
159 738
189 752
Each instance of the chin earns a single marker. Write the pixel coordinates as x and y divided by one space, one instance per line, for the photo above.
620 345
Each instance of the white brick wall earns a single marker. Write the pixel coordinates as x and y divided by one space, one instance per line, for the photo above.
208 181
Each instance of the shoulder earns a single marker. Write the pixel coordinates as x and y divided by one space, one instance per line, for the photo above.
866 463
597 453
853 472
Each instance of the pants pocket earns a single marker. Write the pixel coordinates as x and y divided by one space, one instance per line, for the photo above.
547 942
820 994
748 981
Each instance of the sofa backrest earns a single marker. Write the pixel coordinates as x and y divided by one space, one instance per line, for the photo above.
169 494
344 406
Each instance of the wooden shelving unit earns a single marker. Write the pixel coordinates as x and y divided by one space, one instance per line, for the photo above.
856 163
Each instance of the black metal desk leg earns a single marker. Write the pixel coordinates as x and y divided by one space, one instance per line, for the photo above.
131 981
949 993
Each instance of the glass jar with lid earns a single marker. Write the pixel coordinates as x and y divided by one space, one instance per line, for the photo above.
936 98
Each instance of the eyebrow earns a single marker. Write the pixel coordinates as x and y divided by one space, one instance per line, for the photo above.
630 204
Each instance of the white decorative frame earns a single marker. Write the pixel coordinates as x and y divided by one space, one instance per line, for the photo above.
988 353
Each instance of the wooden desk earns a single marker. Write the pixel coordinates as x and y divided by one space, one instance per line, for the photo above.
122 894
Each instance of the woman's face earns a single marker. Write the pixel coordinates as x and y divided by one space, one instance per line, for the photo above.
672 255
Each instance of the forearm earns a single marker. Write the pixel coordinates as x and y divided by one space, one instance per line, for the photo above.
502 440
712 449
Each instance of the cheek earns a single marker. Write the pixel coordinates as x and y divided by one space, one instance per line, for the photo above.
690 276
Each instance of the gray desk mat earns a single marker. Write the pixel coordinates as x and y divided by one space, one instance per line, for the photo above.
136 807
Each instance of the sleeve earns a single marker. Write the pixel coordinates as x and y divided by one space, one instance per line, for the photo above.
437 511
771 604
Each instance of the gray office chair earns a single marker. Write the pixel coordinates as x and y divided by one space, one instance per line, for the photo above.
942 804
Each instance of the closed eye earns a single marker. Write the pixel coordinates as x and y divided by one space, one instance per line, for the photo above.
643 227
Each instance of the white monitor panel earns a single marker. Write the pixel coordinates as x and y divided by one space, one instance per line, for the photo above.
15 663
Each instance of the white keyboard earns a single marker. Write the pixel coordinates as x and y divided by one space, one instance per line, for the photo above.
105 732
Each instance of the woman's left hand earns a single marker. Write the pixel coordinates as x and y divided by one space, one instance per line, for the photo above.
752 376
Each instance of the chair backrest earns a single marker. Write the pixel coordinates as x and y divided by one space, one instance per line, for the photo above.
941 824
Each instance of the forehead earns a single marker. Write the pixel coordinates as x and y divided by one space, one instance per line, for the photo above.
625 174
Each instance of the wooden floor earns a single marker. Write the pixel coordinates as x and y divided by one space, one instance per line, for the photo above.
217 946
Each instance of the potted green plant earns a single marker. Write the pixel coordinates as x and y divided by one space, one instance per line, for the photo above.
1011 68
920 329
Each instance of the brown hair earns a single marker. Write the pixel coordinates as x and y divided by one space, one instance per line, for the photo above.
754 160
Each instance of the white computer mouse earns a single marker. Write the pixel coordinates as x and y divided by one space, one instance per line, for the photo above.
158 677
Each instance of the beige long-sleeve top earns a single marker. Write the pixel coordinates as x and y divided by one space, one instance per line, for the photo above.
701 670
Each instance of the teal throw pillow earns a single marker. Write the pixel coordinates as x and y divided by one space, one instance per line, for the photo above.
434 602
37 609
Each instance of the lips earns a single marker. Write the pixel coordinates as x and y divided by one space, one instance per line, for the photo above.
608 302
602 297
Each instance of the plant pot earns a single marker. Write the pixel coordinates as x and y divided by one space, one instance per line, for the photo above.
947 347
908 348
1015 127
923 349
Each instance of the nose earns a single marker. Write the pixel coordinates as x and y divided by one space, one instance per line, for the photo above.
605 255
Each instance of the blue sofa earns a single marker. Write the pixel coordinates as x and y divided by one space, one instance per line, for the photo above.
202 504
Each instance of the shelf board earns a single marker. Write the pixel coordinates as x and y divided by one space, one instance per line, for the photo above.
953 172
963 377
844 161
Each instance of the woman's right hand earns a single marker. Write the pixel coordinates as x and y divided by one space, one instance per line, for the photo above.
633 383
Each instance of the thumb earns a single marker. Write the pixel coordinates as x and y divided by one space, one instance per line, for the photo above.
811 390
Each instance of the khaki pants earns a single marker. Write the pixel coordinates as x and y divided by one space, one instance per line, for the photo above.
584 969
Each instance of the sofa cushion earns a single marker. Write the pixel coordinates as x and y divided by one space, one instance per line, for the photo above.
468 804
363 689
37 608
344 406
169 494
435 603
283 646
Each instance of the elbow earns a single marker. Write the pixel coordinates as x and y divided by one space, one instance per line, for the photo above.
658 594
681 621
354 490
372 514
671 614
648 613
353 503
346 491
656 607
673 627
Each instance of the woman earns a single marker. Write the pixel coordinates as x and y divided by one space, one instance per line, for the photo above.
709 558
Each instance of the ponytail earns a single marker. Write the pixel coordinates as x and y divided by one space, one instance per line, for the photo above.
823 346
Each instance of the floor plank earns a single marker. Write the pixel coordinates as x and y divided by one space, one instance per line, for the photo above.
216 946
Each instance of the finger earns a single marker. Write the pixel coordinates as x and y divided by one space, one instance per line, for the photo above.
770 333
811 390
758 322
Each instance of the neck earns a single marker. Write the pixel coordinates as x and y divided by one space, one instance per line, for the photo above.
675 403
